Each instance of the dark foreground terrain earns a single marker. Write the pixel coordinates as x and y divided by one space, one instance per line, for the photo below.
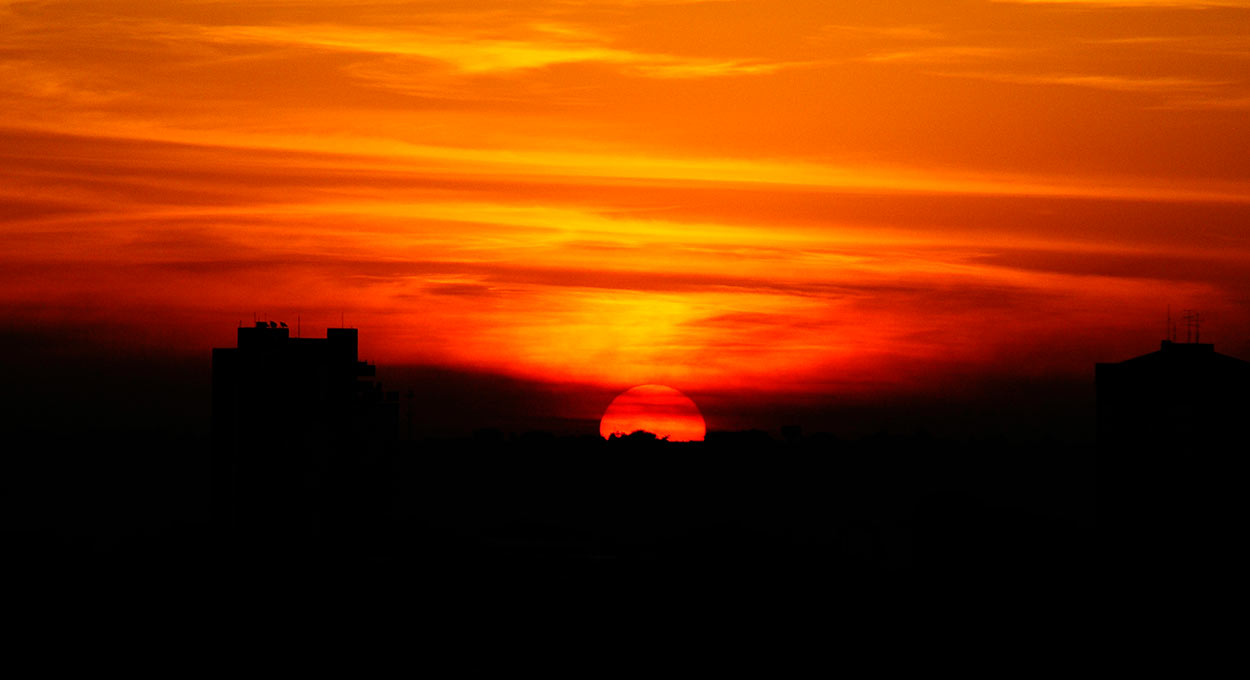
742 512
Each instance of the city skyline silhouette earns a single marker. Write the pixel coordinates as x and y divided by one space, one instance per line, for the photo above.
411 298
311 466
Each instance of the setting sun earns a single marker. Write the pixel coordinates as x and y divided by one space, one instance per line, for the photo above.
662 411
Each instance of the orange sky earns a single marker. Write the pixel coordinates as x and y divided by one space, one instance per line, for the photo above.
787 197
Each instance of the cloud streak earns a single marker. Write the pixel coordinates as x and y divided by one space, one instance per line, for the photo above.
478 55
1099 82
1137 4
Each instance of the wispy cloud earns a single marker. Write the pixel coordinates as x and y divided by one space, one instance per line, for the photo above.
469 54
1211 104
1178 4
55 84
1234 45
711 68
897 32
1096 81
942 54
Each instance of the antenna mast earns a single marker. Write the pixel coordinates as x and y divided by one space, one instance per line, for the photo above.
1193 325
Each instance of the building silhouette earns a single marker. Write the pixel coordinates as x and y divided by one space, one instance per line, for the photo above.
1185 398
298 426
1172 436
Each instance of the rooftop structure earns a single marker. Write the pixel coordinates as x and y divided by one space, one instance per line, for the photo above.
1184 398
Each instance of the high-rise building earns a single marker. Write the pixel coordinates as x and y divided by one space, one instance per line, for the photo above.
1185 399
1172 439
298 425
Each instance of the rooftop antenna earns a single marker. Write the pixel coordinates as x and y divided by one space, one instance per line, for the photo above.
1193 322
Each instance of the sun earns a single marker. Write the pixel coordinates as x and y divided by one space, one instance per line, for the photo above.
660 410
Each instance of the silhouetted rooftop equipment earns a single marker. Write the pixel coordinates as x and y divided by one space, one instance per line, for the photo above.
1193 325
270 325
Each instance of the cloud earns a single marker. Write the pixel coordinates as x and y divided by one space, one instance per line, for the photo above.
1136 4
58 86
899 32
712 68
464 53
943 54
1113 83
475 54
470 290
1210 104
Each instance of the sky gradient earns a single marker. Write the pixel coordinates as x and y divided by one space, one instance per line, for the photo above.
765 199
